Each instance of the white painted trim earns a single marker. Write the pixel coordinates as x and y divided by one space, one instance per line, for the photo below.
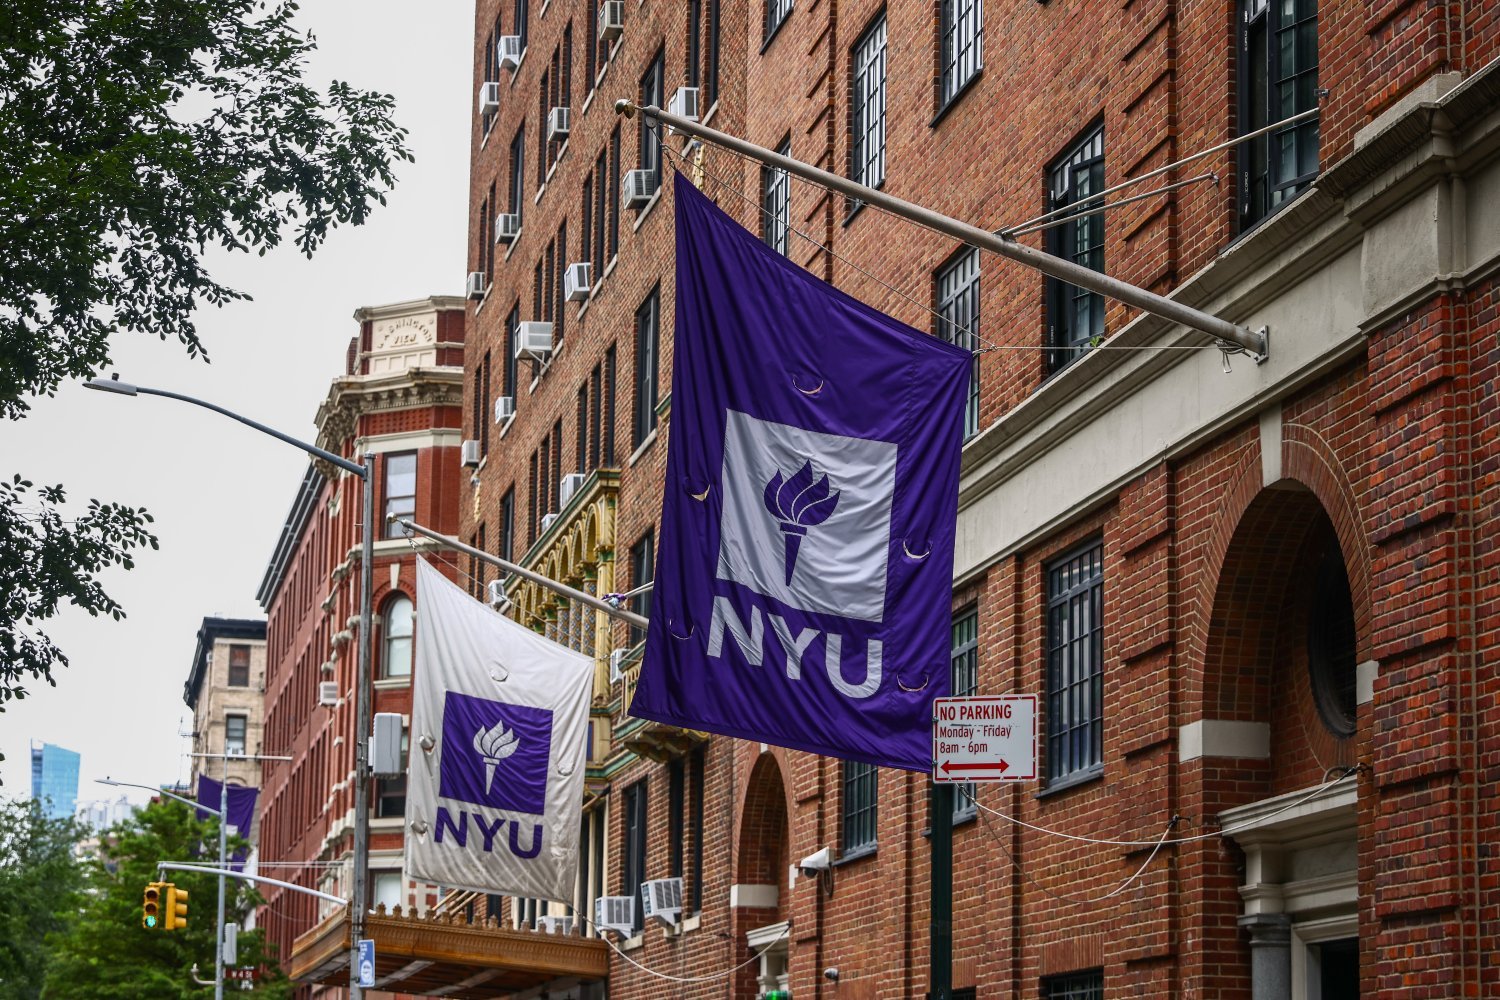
1364 681
1270 445
1224 738
442 437
753 896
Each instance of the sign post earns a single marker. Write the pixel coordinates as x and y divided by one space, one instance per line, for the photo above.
984 738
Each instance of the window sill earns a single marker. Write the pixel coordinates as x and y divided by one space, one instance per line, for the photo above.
1075 780
776 30
954 824
646 209
510 247
387 822
690 924
642 448
515 73
505 427
857 206
634 943
711 112
858 854
958 95
392 683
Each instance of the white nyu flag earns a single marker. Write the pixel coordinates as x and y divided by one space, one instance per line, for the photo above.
498 724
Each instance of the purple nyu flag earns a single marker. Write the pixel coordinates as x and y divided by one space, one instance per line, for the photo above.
804 569
241 811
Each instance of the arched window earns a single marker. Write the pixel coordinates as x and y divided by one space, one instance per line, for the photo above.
396 661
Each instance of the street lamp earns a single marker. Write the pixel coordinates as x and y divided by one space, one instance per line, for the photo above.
362 692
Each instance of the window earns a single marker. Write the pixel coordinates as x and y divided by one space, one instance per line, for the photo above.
1075 663
603 209
239 666
634 866
958 321
676 816
385 889
1075 316
491 74
518 23
512 328
775 203
706 77
596 384
642 566
395 660
962 26
609 406
400 490
581 446
858 815
518 173
507 539
558 287
1074 986
694 895
234 734
867 102
651 94
614 192
487 227
776 15
1278 78
964 657
485 408
591 55
590 884
647 338
390 793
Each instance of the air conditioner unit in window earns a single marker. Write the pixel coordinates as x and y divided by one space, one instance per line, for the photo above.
474 288
498 600
662 899
615 913
571 483
576 281
548 520
617 664
684 103
468 453
534 341
640 185
555 925
328 693
558 121
507 227
505 408
489 98
508 52
611 20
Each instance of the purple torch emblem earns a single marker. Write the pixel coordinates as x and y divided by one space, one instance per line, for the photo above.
798 503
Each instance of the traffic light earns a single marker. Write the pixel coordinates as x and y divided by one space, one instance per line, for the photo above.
177 907
151 907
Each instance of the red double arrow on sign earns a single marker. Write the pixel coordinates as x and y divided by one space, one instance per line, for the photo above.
998 765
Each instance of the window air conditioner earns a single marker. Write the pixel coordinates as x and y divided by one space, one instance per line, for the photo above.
576 281
611 20
684 103
615 913
662 899
548 520
507 227
534 341
508 52
617 664
469 454
640 185
555 925
557 124
498 599
505 408
571 483
489 98
328 693
474 289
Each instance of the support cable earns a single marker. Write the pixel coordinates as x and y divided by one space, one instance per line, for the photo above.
687 979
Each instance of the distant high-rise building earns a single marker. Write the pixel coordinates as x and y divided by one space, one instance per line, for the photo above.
54 778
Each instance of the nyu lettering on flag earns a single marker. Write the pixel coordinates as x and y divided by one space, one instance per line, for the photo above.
241 812
499 720
804 570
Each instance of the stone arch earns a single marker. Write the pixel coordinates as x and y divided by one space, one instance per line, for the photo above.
762 856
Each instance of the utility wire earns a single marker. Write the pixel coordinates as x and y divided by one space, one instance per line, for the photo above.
687 979
1068 897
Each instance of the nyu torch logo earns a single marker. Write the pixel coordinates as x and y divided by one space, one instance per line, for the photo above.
798 503
494 745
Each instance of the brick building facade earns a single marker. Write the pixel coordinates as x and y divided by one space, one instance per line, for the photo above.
1228 588
226 691
399 398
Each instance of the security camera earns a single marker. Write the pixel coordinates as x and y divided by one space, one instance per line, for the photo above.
831 974
819 861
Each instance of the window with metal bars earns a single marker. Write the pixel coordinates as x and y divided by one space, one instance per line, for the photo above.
857 830
962 25
647 339
777 11
775 201
1074 986
1075 663
958 321
1278 57
964 661
867 103
1075 317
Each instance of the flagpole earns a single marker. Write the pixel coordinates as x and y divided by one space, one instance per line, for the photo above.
1252 341
561 588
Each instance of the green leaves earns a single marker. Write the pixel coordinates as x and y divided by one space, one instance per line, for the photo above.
40 886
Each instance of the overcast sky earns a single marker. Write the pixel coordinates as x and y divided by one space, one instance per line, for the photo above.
220 491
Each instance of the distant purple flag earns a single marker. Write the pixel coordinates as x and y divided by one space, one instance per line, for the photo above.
241 811
804 570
